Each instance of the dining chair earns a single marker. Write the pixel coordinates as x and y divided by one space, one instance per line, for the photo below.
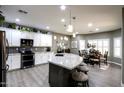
95 59
79 52
104 58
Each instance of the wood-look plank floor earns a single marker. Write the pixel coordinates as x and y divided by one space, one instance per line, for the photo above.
38 77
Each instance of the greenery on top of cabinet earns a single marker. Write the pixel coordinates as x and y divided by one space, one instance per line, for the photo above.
23 28
2 19
12 25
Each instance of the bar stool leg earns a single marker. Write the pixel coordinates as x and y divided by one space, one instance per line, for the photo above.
87 83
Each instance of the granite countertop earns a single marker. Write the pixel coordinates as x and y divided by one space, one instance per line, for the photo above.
34 52
68 61
43 52
11 54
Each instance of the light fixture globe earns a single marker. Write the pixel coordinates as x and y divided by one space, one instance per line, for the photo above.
74 35
70 28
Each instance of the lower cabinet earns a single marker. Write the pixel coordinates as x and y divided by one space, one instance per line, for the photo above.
14 61
41 58
9 62
37 58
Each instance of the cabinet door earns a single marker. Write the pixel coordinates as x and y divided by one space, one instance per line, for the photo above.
46 40
31 35
49 40
23 35
9 62
43 40
37 39
16 36
44 57
28 35
37 58
9 37
16 61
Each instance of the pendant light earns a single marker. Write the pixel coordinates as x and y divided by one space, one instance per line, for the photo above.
74 33
70 26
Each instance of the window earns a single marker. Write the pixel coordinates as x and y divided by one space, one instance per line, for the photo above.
74 44
117 47
81 44
101 44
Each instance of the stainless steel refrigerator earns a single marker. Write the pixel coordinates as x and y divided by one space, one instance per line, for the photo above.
3 58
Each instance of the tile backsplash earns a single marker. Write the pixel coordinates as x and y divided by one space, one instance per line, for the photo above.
35 49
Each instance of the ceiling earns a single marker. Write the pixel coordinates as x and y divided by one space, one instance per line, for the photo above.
104 17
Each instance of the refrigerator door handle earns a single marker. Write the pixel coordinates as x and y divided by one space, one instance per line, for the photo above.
7 49
7 67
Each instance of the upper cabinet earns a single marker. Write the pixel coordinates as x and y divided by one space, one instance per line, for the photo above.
37 39
43 40
14 36
47 40
8 34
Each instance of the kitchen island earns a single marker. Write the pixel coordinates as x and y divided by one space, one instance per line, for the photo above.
60 68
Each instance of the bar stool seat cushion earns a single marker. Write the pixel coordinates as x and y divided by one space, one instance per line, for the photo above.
94 59
79 76
83 64
83 68
102 58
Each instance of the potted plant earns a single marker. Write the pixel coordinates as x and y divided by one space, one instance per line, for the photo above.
2 19
12 25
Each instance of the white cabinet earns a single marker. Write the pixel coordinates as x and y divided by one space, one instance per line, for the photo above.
37 39
49 40
23 35
44 57
37 58
9 37
16 36
13 36
27 35
32 35
43 40
46 40
9 62
16 61
41 58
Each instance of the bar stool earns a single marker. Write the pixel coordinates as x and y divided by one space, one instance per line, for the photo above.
84 69
80 79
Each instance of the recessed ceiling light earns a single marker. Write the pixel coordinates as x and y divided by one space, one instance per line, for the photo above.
63 20
17 20
97 29
90 24
70 28
62 7
47 27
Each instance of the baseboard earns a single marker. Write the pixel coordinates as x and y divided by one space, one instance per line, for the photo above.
114 63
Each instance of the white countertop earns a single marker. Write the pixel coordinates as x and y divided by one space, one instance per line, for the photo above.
68 61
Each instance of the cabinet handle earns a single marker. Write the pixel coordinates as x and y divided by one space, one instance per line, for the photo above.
7 49
7 67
